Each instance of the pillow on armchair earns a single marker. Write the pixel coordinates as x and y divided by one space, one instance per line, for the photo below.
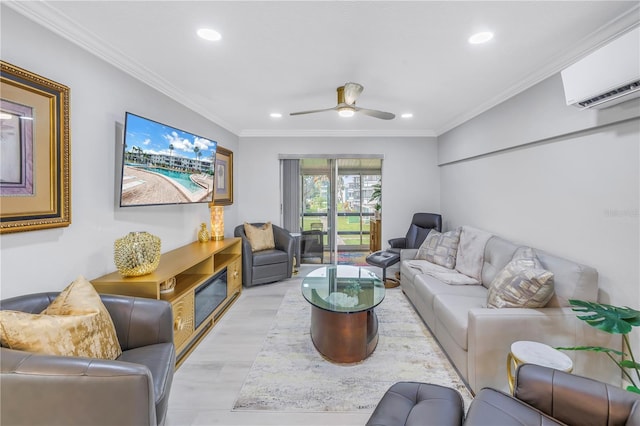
76 323
260 237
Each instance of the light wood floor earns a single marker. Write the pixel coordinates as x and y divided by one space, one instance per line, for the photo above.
205 387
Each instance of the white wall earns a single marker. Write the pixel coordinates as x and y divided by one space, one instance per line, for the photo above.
410 176
46 260
571 186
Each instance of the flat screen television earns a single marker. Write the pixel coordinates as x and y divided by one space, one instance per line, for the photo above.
164 165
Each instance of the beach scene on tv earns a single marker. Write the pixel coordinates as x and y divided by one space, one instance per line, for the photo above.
165 165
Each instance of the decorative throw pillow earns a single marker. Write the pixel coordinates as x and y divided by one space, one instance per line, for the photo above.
260 237
522 283
440 248
76 323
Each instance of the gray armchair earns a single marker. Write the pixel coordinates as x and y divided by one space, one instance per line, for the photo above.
267 266
55 390
542 396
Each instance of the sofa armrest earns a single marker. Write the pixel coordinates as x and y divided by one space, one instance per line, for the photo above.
408 254
492 331
140 321
73 391
574 399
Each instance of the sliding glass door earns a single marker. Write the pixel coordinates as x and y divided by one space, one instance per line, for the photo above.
334 207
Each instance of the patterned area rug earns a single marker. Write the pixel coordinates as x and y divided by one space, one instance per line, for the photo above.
356 258
289 374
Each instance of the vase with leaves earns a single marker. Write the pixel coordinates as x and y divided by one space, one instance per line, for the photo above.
613 320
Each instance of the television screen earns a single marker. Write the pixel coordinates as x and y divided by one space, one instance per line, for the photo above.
164 165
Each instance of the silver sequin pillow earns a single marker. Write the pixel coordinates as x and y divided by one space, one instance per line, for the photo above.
522 283
440 248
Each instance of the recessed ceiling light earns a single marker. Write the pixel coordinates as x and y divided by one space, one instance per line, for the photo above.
407 115
482 37
275 115
209 34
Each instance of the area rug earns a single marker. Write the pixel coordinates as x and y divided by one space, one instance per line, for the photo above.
356 258
289 374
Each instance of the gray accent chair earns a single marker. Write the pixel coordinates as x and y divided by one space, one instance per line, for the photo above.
133 389
267 266
542 396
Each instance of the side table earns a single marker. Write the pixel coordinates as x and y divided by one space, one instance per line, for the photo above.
527 352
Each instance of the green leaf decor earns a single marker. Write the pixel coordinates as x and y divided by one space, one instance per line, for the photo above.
613 320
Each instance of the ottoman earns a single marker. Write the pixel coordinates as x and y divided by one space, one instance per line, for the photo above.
383 259
412 404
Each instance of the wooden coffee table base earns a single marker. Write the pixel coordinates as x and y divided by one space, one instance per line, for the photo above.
344 337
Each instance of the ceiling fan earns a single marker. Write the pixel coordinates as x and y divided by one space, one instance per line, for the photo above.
347 96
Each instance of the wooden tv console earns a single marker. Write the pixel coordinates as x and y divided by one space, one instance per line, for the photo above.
192 266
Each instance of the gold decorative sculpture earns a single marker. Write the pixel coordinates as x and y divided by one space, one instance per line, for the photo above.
137 253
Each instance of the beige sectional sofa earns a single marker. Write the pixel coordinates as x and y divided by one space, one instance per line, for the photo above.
477 338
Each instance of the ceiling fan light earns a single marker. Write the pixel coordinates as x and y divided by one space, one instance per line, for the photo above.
346 112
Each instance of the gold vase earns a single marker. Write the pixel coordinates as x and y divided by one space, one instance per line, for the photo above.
137 253
203 234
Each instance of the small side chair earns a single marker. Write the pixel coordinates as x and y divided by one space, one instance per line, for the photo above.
267 266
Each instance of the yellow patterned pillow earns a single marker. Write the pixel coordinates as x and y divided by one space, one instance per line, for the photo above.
260 237
76 323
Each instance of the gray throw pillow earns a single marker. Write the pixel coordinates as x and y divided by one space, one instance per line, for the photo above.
440 248
522 283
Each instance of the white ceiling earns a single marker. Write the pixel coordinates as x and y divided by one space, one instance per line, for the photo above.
292 55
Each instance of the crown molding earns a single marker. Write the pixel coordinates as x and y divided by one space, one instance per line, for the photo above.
267 133
49 17
588 44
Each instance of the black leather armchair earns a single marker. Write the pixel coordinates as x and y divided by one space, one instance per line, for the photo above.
57 390
421 225
542 396
267 266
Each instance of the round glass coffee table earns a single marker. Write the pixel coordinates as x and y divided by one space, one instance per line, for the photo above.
344 326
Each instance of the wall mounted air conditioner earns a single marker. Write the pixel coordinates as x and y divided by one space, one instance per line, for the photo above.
606 77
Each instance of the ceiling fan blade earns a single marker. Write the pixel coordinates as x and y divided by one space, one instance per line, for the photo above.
351 92
312 111
377 114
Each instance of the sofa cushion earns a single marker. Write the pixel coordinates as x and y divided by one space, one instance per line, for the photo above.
521 284
428 287
270 257
260 237
452 313
440 248
446 275
76 323
497 253
470 256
